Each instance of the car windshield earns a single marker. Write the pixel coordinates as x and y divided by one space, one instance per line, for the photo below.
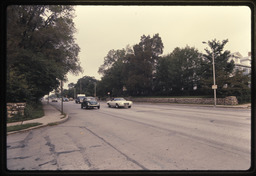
119 99
91 99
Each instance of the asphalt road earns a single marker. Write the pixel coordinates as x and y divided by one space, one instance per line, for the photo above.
144 137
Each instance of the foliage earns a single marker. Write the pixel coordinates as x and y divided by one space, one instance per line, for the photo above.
141 67
184 72
131 68
40 49
238 85
223 68
178 73
86 85
31 111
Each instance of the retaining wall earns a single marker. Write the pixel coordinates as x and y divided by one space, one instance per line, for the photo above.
15 108
231 100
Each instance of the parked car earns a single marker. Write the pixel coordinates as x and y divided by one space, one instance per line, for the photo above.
54 100
90 102
65 99
119 102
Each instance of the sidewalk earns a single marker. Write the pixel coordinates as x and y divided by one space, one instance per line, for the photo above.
51 116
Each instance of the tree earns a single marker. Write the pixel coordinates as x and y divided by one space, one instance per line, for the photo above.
41 49
133 68
112 71
87 85
223 68
178 72
112 57
141 66
238 85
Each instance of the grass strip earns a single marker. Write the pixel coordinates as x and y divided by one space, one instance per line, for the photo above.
21 127
32 112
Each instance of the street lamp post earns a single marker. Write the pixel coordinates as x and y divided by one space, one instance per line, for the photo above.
95 89
214 87
61 86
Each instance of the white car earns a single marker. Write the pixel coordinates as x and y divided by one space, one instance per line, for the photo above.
119 102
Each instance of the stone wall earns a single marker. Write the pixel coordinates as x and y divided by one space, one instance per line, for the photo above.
15 108
231 100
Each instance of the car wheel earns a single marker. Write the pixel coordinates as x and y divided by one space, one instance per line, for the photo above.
117 106
98 107
129 106
109 105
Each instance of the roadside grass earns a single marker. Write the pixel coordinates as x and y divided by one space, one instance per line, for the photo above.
22 127
31 112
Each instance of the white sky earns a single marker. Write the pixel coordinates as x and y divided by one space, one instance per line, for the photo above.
103 28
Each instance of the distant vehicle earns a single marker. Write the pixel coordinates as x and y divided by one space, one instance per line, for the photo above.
80 98
119 102
65 99
90 102
71 99
54 100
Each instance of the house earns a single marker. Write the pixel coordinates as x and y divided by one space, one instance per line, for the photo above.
241 63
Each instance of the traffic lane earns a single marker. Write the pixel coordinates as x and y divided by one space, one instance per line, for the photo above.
217 125
116 126
235 126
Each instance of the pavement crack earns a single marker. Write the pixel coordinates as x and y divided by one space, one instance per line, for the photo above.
127 157
82 151
21 157
53 151
23 143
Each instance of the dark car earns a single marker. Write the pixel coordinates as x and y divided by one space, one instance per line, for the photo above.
90 102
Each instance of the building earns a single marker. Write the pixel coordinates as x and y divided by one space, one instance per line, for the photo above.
242 63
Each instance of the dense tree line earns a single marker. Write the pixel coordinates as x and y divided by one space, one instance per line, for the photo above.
142 71
40 50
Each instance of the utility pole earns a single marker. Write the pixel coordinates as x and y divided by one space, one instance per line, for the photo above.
61 88
80 87
214 81
95 89
214 86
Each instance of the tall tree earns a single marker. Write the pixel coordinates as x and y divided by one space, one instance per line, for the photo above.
178 73
86 85
141 66
112 57
223 68
41 49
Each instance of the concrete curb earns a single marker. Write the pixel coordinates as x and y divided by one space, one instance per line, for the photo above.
62 120
39 126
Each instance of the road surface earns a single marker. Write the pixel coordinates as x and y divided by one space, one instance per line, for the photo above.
144 137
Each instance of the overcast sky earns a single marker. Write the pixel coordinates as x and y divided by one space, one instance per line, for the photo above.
103 28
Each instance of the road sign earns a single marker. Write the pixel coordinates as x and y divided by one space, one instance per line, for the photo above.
214 86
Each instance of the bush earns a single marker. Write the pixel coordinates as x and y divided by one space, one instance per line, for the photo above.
28 111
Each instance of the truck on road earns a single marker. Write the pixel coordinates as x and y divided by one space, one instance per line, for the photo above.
79 98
